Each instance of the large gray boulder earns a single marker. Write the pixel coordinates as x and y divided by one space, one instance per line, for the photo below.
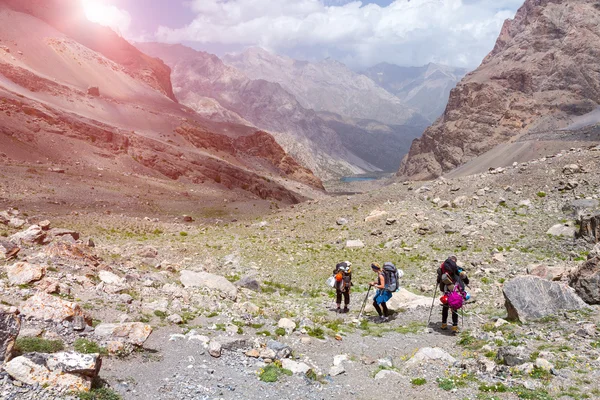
190 279
10 324
531 297
586 281
589 228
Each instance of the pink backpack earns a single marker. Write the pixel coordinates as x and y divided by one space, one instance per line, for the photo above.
455 300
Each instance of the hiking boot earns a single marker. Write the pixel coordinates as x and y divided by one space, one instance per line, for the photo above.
454 329
345 310
338 310
444 326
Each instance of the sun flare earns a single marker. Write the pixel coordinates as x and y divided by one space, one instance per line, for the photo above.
103 13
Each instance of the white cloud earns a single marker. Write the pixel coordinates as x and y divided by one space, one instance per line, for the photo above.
100 12
406 32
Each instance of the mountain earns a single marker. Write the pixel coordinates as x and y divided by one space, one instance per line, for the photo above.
328 144
327 86
541 75
73 105
425 88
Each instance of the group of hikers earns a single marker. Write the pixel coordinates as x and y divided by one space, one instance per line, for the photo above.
451 280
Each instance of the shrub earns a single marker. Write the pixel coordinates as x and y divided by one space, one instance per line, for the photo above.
419 381
88 347
272 372
99 394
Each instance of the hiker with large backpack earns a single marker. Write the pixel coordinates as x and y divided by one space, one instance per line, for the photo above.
388 281
343 282
452 281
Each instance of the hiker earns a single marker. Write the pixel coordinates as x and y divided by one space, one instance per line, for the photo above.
451 277
382 295
343 283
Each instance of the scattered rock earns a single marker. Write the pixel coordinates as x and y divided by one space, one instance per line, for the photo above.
341 221
405 300
511 356
391 221
10 324
187 218
586 281
375 215
387 375
549 273
282 350
571 169
190 279
354 244
134 333
562 230
428 354
287 324
250 283
294 366
214 349
45 307
67 234
530 297
33 234
175 319
111 279
8 250
23 273
336 370
589 228
544 364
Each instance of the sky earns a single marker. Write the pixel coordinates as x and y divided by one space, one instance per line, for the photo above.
357 33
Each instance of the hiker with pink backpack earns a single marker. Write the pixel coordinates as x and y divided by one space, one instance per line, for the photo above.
452 281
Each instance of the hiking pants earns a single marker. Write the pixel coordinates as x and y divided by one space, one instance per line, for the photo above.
378 308
445 316
338 297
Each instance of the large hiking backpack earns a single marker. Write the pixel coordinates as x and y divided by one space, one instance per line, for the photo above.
342 276
455 300
392 277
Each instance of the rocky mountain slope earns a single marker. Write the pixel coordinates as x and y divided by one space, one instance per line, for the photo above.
541 75
426 88
326 86
330 148
66 105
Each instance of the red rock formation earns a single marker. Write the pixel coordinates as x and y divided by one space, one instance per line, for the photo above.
541 72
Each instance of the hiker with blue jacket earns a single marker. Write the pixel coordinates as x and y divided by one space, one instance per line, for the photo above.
450 275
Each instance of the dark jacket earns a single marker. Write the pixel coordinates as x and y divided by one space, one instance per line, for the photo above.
450 267
346 281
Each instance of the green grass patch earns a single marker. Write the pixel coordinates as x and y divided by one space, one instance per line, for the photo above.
86 346
272 372
37 345
99 394
418 381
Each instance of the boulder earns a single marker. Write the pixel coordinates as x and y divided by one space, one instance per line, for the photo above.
110 278
579 207
531 297
585 279
549 273
375 215
589 228
571 169
135 333
354 244
428 354
282 350
23 273
64 234
386 374
403 299
16 223
64 371
294 366
45 307
10 324
287 324
511 356
8 250
250 283
190 279
562 230
33 234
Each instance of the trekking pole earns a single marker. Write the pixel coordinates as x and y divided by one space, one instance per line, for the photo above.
432 303
364 302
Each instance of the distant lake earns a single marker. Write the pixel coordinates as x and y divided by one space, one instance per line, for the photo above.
358 178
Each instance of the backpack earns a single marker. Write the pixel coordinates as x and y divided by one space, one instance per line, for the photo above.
455 300
392 277
342 276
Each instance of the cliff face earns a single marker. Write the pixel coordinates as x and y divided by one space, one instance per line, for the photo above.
542 72
67 16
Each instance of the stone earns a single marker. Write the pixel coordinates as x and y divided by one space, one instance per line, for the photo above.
525 203
16 223
287 324
23 273
8 250
94 91
386 374
580 207
282 350
387 362
428 354
460 201
248 282
45 307
148 252
354 244
500 322
544 364
390 221
45 225
589 228
64 234
531 297
115 347
58 371
254 353
294 366
175 319
187 218
595 252
10 325
375 215
571 169
403 299
134 333
232 343
33 234
562 230
214 349
79 323
549 273
341 221
339 359
190 279
110 278
587 330
337 370
511 356
585 279
268 354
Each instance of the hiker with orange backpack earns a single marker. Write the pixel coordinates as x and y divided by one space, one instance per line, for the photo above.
343 282
452 281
